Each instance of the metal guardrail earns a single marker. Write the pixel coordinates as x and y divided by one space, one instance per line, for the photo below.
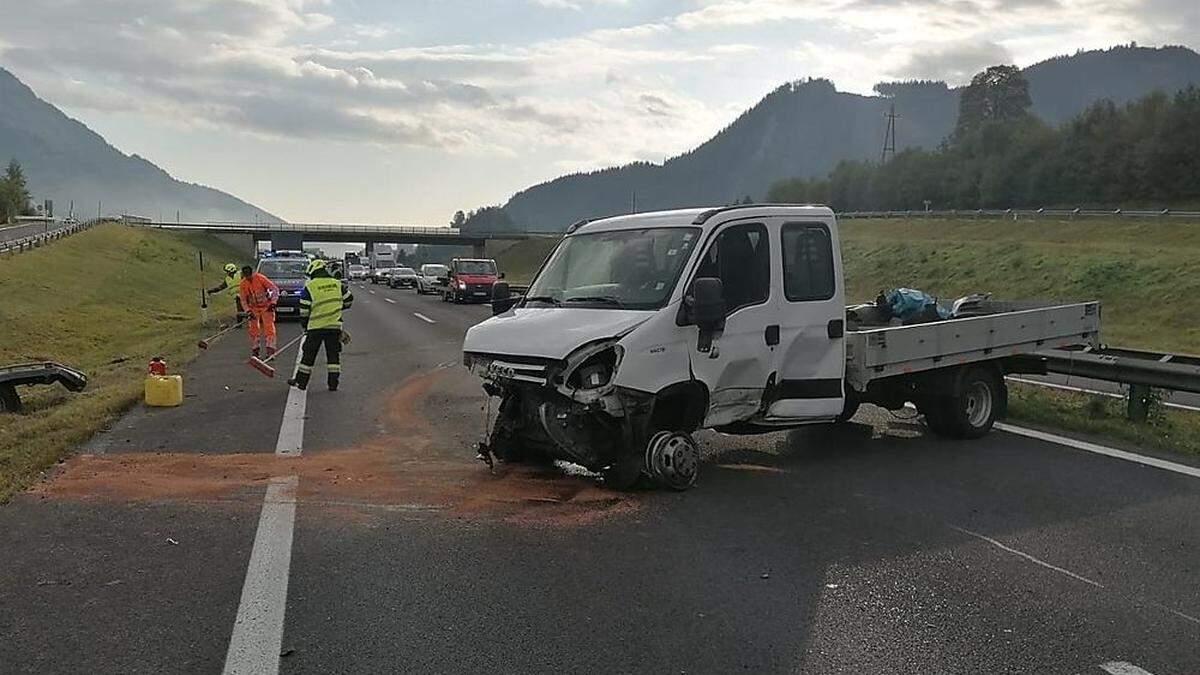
1026 213
1141 371
36 240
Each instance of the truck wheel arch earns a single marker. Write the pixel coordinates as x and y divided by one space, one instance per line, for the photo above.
680 407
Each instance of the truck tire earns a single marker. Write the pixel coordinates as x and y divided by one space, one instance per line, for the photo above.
979 399
935 410
9 400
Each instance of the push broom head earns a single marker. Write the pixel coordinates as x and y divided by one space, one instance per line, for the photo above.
203 344
261 366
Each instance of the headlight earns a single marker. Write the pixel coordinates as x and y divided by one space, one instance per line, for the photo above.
462 286
597 370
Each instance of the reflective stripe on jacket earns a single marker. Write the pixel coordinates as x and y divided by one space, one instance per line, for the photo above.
233 284
322 302
258 292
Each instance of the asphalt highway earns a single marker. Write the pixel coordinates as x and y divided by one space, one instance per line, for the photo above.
256 530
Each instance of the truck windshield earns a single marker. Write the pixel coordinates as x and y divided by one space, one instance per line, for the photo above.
475 267
621 269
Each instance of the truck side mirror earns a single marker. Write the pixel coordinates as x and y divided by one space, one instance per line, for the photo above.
502 298
500 276
705 304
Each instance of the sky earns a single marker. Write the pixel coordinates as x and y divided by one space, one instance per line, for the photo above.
403 111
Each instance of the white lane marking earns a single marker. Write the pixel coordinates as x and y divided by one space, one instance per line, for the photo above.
291 429
258 631
1123 668
1101 450
1081 390
1069 573
257 636
1028 557
371 291
390 300
423 317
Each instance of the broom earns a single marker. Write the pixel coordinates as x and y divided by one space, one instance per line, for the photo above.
203 344
264 365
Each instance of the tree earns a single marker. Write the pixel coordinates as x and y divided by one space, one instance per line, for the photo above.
458 220
14 193
998 94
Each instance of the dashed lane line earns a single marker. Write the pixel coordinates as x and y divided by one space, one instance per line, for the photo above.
1123 668
291 429
390 300
257 638
258 631
423 317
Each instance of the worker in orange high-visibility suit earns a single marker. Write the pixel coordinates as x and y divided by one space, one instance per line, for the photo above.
259 296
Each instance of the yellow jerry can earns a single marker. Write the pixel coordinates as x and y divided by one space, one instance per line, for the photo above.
164 390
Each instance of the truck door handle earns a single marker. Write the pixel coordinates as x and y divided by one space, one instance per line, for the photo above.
836 328
772 335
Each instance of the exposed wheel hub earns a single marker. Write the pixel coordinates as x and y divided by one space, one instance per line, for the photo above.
673 459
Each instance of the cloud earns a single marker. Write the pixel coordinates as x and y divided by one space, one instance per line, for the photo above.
605 81
955 62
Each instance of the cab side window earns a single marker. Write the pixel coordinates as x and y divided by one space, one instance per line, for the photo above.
740 257
807 262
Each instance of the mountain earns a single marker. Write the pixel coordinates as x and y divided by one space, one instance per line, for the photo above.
805 128
64 161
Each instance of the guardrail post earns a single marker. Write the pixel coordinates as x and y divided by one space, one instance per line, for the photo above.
1139 403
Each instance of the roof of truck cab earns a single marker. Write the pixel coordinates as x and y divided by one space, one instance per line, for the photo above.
700 216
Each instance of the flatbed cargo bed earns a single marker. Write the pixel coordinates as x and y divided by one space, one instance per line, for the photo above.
1002 330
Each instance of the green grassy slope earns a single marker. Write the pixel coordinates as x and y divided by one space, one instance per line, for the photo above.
104 301
1146 273
520 260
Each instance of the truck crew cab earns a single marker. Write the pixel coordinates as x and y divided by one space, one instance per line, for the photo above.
470 280
638 330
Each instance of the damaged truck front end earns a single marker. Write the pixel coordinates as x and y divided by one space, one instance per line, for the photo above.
568 409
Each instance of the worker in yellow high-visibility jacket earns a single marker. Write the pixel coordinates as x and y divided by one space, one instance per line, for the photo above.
231 286
322 302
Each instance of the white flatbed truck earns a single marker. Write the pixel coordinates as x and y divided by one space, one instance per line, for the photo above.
639 330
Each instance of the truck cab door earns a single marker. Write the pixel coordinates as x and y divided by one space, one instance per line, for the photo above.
811 358
736 365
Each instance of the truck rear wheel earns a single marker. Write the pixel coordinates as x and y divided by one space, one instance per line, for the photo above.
978 400
9 400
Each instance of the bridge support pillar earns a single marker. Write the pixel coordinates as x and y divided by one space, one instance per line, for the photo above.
370 248
477 250
287 241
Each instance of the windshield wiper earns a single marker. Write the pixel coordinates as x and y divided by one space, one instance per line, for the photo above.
598 298
544 298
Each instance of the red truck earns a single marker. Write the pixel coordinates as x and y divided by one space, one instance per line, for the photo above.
470 280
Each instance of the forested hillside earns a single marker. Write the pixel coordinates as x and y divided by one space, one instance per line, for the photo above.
806 128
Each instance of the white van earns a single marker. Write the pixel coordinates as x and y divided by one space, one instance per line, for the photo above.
640 329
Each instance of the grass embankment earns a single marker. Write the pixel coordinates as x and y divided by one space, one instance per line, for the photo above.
520 260
104 301
1146 274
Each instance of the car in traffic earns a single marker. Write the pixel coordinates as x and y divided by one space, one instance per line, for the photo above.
470 280
429 278
403 277
358 272
288 273
379 275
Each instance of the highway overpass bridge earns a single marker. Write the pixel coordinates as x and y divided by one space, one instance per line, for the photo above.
293 236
